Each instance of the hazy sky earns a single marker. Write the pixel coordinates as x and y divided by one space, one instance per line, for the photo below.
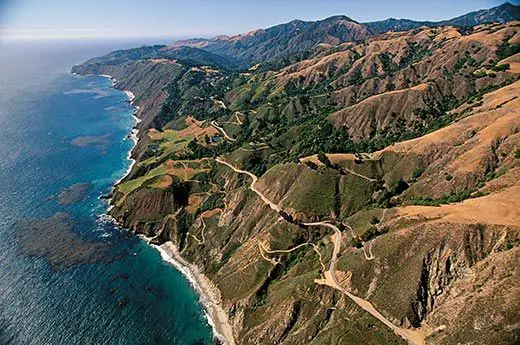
175 18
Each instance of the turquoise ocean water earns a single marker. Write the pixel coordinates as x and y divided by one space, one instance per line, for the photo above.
67 274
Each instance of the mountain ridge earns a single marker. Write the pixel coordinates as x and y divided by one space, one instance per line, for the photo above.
301 37
501 14
293 37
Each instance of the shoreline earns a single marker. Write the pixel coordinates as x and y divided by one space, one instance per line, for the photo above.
208 294
133 133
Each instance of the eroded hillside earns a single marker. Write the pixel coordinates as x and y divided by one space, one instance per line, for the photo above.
366 193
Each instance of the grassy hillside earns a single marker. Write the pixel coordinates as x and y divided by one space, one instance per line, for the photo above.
405 144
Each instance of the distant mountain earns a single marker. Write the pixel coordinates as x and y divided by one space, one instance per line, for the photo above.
393 24
299 36
290 41
501 14
282 40
240 51
187 55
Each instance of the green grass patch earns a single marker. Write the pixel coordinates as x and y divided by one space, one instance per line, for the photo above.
130 186
447 198
313 194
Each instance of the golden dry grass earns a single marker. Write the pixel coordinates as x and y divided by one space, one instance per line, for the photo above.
497 118
498 208
211 213
197 129
154 134
183 170
165 181
194 201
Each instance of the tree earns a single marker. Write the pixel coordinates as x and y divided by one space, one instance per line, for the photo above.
325 160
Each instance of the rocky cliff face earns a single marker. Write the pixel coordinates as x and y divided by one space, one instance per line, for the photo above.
428 227
147 79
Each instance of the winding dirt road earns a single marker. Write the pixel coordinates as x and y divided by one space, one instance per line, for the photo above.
359 175
271 204
413 336
215 124
238 118
264 248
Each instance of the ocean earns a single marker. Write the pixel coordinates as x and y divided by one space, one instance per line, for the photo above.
68 274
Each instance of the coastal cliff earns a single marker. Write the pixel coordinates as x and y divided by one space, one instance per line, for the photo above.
407 144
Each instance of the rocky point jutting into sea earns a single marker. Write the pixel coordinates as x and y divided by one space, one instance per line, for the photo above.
332 180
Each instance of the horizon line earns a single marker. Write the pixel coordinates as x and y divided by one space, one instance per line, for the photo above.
32 34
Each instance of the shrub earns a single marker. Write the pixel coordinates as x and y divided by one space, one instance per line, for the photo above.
417 172
356 242
356 78
373 232
311 165
501 172
374 220
399 187
502 67
479 74
446 198
490 175
325 160
507 49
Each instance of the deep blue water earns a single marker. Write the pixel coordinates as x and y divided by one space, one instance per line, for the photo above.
67 275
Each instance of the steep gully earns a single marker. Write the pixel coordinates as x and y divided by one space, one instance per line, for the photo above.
413 336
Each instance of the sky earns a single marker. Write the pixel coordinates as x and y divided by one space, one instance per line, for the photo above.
75 19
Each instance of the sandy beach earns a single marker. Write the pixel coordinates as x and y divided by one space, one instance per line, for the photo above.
209 294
